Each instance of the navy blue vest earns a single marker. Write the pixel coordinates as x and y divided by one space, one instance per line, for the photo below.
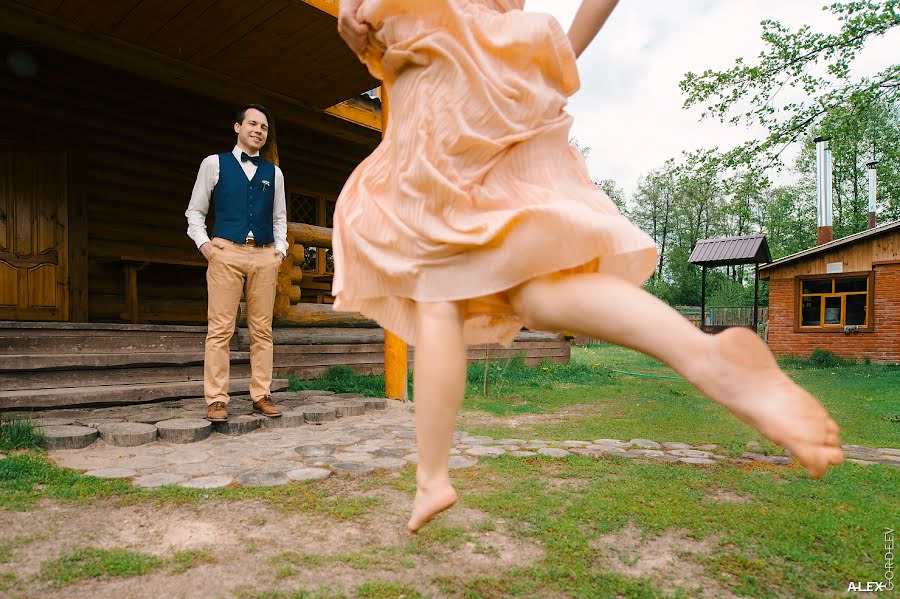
242 206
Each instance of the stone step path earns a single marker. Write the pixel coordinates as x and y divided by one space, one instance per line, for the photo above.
255 451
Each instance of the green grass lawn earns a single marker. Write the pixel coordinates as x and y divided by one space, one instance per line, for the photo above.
605 527
594 399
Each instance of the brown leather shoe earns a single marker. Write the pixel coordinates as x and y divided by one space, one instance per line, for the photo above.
217 412
267 407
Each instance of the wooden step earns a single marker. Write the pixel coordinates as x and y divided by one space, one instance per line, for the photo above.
116 394
28 338
37 362
51 379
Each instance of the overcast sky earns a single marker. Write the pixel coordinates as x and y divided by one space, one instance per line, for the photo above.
629 107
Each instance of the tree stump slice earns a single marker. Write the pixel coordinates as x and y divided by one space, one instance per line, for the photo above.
288 419
69 436
153 416
375 403
315 450
318 415
128 434
188 430
160 479
272 478
216 481
238 425
344 409
352 469
111 473
301 474
45 422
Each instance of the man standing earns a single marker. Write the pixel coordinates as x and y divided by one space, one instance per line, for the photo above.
249 241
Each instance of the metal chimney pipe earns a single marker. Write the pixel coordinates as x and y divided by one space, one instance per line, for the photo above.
825 231
873 185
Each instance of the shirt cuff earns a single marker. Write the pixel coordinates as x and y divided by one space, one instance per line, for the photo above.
201 238
282 247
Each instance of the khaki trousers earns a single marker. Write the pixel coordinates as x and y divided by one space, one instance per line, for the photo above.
228 271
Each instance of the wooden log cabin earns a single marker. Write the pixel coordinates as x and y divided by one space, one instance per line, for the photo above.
110 107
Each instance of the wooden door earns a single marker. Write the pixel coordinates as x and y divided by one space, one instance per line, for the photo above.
33 228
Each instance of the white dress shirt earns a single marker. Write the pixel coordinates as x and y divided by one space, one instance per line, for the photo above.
203 188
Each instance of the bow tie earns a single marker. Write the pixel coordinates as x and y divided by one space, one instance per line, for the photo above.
253 159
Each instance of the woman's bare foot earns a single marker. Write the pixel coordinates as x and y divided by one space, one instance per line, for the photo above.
741 374
429 504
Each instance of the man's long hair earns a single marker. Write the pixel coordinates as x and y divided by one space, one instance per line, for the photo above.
270 150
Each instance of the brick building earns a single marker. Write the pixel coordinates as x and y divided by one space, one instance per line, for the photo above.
842 296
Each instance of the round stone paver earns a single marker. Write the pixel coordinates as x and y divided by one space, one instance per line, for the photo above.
159 479
671 445
509 441
69 436
187 430
646 444
318 414
483 450
288 419
128 434
198 469
111 473
315 451
309 474
613 443
265 478
476 440
387 452
690 453
352 469
207 482
521 453
345 395
458 461
238 425
188 457
387 463
554 452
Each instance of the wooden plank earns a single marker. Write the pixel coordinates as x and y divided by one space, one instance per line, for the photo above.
101 344
318 315
310 235
44 362
116 394
54 379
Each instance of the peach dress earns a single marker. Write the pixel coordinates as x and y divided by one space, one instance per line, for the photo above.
475 188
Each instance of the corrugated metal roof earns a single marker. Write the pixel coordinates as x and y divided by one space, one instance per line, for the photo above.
727 251
886 227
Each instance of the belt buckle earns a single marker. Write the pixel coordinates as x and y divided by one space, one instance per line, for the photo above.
250 241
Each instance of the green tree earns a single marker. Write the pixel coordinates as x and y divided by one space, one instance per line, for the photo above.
752 93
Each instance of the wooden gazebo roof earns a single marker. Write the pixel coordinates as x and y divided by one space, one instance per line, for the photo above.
286 54
730 251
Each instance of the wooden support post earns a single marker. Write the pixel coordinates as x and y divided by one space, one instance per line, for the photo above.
395 350
756 298
703 298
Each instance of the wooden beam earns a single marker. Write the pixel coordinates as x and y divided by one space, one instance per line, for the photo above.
328 6
357 112
310 235
396 369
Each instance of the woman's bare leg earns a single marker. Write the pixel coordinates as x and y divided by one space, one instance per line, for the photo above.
439 385
734 368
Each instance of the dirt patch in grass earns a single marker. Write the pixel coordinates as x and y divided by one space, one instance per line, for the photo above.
474 418
669 561
725 496
246 542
